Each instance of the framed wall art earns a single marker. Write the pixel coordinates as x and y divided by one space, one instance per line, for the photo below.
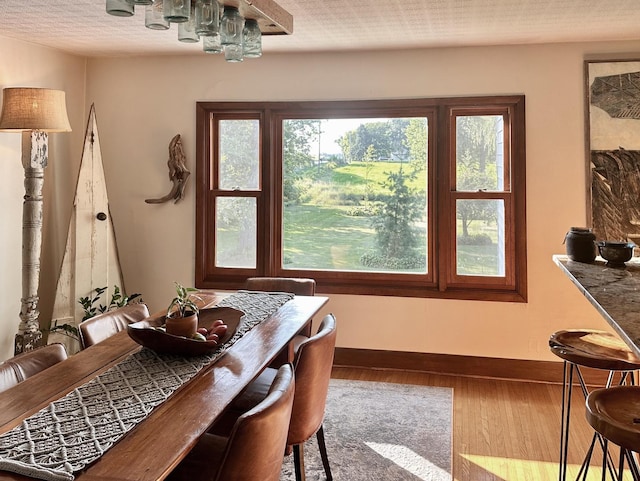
613 148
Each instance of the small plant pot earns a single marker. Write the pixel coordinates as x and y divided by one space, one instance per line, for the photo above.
182 326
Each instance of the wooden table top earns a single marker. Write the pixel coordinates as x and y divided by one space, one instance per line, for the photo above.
613 291
156 445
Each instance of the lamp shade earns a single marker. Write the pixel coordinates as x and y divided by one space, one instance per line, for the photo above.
25 108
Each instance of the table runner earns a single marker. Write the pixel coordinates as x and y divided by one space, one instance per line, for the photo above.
77 429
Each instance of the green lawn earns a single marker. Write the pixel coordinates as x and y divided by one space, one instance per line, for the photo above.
325 238
477 260
355 177
321 234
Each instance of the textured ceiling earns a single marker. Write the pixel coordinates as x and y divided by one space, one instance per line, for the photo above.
83 27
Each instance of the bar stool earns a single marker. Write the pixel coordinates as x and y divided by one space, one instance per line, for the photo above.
615 414
595 349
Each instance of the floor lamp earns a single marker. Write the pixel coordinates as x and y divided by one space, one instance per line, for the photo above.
34 112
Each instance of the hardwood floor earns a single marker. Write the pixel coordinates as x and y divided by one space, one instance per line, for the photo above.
503 430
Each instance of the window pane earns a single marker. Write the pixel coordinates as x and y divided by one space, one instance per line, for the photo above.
239 162
354 194
480 153
480 248
236 239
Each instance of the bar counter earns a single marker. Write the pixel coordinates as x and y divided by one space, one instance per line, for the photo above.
613 291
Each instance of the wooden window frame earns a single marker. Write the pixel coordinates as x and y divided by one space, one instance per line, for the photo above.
506 195
441 280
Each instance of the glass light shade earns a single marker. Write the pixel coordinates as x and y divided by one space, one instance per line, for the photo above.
231 26
212 43
177 11
207 17
233 53
26 108
154 16
187 31
251 39
119 8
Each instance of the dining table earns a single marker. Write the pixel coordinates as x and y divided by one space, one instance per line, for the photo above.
157 444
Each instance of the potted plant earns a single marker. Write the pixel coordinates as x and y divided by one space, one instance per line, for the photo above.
88 303
182 313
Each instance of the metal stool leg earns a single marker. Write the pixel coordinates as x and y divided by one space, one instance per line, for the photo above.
564 428
584 468
604 461
609 465
567 390
633 465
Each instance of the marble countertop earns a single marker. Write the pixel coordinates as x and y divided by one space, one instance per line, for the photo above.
613 291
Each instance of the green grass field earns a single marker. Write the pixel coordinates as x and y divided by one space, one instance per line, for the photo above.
355 176
325 238
321 234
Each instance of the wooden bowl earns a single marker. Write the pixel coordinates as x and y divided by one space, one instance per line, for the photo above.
145 333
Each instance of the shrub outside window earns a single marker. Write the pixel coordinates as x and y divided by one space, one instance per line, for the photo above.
420 197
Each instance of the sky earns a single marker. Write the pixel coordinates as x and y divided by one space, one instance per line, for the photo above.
333 129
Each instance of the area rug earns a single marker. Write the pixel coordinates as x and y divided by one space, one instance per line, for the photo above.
382 431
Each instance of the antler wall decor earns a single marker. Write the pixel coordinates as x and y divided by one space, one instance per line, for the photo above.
178 173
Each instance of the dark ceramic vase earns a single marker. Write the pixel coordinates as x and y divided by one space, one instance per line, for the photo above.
580 244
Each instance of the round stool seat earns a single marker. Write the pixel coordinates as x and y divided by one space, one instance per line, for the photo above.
615 413
596 349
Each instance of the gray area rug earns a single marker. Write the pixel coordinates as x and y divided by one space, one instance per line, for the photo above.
382 431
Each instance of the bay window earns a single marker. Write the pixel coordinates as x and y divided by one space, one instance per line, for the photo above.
419 197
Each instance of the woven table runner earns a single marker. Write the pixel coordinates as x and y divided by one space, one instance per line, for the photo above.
72 432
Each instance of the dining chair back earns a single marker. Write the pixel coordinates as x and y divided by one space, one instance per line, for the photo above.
295 285
22 366
260 435
312 363
299 286
253 451
102 326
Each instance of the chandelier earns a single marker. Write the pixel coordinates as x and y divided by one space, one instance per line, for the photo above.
234 28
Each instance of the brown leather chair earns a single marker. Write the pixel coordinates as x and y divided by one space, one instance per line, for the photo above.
312 363
102 326
20 367
253 451
295 285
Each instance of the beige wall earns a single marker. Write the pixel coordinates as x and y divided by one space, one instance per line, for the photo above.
141 103
26 65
